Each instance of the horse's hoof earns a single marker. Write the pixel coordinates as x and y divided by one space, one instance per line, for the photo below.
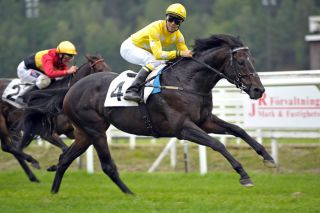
130 194
52 168
270 163
54 192
35 180
35 165
246 182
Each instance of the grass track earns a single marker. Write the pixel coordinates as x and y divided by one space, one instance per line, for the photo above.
161 192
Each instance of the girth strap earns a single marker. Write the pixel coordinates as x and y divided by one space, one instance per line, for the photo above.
146 118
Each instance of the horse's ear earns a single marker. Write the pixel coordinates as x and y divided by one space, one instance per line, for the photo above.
88 57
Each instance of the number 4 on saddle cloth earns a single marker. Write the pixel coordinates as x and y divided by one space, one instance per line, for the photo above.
120 84
14 91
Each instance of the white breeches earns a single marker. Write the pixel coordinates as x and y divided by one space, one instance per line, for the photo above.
32 76
137 55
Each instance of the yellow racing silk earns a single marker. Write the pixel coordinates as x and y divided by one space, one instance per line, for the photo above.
155 36
38 58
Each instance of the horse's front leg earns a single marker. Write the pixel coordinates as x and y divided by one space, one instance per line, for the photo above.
213 124
193 133
79 146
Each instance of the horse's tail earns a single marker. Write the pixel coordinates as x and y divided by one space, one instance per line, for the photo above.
46 101
42 107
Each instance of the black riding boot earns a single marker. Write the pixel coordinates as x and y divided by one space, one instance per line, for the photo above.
132 93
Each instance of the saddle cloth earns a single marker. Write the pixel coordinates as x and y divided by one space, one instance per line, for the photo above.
120 84
15 89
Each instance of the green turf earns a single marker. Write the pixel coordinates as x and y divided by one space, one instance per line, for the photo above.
161 192
293 187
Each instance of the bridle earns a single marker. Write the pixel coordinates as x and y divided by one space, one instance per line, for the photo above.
91 67
238 76
95 63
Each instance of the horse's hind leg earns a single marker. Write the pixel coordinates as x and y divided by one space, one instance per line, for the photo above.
8 146
25 141
54 139
79 146
215 125
193 133
27 170
107 164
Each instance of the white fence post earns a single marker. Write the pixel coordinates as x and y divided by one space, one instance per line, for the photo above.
203 160
259 137
90 167
132 141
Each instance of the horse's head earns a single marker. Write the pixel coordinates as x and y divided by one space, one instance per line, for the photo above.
97 63
232 58
242 73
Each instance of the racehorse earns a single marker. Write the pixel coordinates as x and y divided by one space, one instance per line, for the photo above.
184 112
10 117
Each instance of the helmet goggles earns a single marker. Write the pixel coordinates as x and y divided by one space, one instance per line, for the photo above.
171 18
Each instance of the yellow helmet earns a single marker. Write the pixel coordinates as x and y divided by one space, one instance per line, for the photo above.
177 10
66 47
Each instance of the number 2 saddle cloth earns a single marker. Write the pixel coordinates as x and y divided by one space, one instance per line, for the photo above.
14 91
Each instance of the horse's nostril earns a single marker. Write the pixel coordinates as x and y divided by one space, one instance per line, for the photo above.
258 90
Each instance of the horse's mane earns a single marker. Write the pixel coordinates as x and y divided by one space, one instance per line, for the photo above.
215 41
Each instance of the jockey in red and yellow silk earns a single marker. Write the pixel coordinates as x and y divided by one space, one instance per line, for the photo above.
39 68
145 47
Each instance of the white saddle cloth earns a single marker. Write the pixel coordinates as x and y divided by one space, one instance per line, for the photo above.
14 89
121 83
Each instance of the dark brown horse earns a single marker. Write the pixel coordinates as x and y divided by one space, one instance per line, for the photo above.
184 113
10 117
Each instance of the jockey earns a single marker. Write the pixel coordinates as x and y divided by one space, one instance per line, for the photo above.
145 46
41 67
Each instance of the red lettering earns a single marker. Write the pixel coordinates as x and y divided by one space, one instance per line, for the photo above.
262 100
253 112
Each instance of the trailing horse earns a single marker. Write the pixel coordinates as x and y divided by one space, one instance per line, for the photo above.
183 109
10 116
